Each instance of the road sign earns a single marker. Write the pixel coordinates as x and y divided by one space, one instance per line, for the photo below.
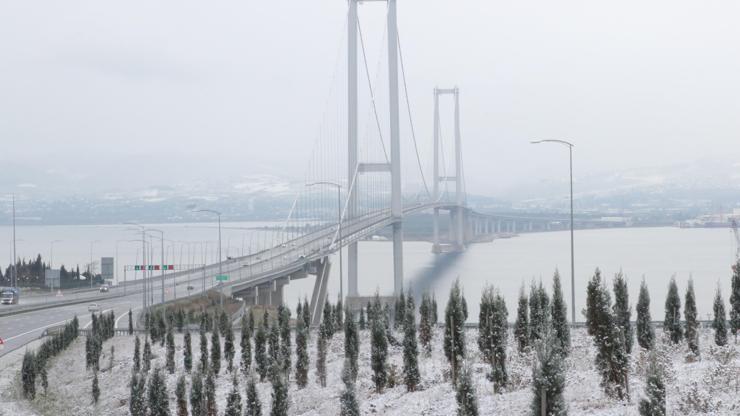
222 277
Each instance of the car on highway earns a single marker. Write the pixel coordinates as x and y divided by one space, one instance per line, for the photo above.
93 307
190 288
104 289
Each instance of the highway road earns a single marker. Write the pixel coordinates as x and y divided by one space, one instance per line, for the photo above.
18 329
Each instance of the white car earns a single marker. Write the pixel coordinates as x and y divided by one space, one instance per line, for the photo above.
93 307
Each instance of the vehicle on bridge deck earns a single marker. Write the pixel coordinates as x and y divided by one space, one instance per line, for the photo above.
93 307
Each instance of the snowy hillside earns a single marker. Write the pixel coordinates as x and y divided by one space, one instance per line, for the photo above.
709 386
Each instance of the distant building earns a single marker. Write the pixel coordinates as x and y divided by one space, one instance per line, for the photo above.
51 278
107 269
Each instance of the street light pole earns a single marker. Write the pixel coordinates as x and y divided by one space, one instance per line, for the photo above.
572 257
339 230
220 270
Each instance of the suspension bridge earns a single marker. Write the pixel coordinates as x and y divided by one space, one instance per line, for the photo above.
354 183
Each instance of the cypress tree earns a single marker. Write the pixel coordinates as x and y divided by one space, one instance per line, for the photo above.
379 354
623 311
260 354
454 339
425 324
611 357
197 399
44 379
203 351
434 309
95 387
306 315
521 326
274 344
170 355
130 323
467 401
548 378
492 336
539 309
137 355
215 352
284 322
338 318
351 343
250 322
137 385
253 405
229 348
279 394
592 295
719 324
645 331
188 353
328 319
692 326
299 310
301 352
349 405
246 346
400 311
735 301
559 312
410 351
181 397
653 404
234 400
158 400
147 356
223 322
211 407
672 322
362 323
321 355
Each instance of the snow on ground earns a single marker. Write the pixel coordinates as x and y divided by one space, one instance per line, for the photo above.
712 384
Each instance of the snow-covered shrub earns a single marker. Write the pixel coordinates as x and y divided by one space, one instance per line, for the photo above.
695 399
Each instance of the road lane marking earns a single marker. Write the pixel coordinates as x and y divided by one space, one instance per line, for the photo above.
90 323
33 330
124 314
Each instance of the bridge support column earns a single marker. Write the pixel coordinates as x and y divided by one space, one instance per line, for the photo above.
318 297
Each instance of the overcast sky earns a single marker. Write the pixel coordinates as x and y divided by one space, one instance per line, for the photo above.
148 92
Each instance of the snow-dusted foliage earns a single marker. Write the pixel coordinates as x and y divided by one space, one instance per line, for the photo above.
548 377
645 330
653 402
559 315
672 321
454 339
692 326
623 311
521 325
719 323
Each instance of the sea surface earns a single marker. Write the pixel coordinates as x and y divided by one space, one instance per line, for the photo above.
655 254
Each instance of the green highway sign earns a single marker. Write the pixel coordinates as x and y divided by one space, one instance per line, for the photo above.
222 277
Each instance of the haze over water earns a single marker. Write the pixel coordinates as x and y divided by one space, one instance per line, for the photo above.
657 253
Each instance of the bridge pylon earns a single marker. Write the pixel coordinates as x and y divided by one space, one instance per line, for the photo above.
457 215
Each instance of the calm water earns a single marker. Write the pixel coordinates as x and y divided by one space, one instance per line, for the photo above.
655 253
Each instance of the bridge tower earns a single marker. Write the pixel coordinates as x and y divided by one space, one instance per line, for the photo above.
457 215
352 29
355 169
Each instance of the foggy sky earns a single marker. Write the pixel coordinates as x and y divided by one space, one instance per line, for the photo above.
141 92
